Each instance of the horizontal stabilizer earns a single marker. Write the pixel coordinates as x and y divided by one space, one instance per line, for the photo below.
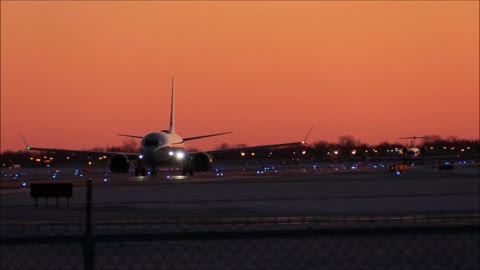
131 136
205 136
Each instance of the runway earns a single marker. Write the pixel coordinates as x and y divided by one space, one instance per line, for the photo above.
294 193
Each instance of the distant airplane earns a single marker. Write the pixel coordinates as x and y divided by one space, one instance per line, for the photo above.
165 149
412 155
409 155
415 154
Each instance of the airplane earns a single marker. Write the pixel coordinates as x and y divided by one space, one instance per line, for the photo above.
164 148
415 154
409 155
412 155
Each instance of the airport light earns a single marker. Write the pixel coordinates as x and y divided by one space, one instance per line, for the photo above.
170 153
180 155
242 154
252 154
335 152
304 152
354 152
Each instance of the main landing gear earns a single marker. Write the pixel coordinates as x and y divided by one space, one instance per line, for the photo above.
143 172
186 170
140 171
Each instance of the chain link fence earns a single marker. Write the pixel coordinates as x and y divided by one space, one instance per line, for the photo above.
415 242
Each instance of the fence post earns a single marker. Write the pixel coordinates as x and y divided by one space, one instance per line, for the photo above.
88 245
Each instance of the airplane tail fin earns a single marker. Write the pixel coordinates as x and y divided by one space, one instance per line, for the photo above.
172 108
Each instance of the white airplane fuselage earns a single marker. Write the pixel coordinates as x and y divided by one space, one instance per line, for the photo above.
412 153
162 148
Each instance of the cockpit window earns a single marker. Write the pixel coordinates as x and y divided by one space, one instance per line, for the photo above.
151 143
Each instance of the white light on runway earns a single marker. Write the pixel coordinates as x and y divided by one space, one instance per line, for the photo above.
177 177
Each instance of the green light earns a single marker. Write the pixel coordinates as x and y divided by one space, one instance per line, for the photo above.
28 147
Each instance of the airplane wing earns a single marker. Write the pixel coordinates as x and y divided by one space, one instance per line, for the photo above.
267 146
106 153
250 148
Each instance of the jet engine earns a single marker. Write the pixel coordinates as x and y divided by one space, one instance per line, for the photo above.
119 163
198 162
201 161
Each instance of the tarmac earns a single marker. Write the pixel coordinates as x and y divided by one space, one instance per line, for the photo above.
297 192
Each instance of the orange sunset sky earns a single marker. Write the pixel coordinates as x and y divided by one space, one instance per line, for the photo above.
76 73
